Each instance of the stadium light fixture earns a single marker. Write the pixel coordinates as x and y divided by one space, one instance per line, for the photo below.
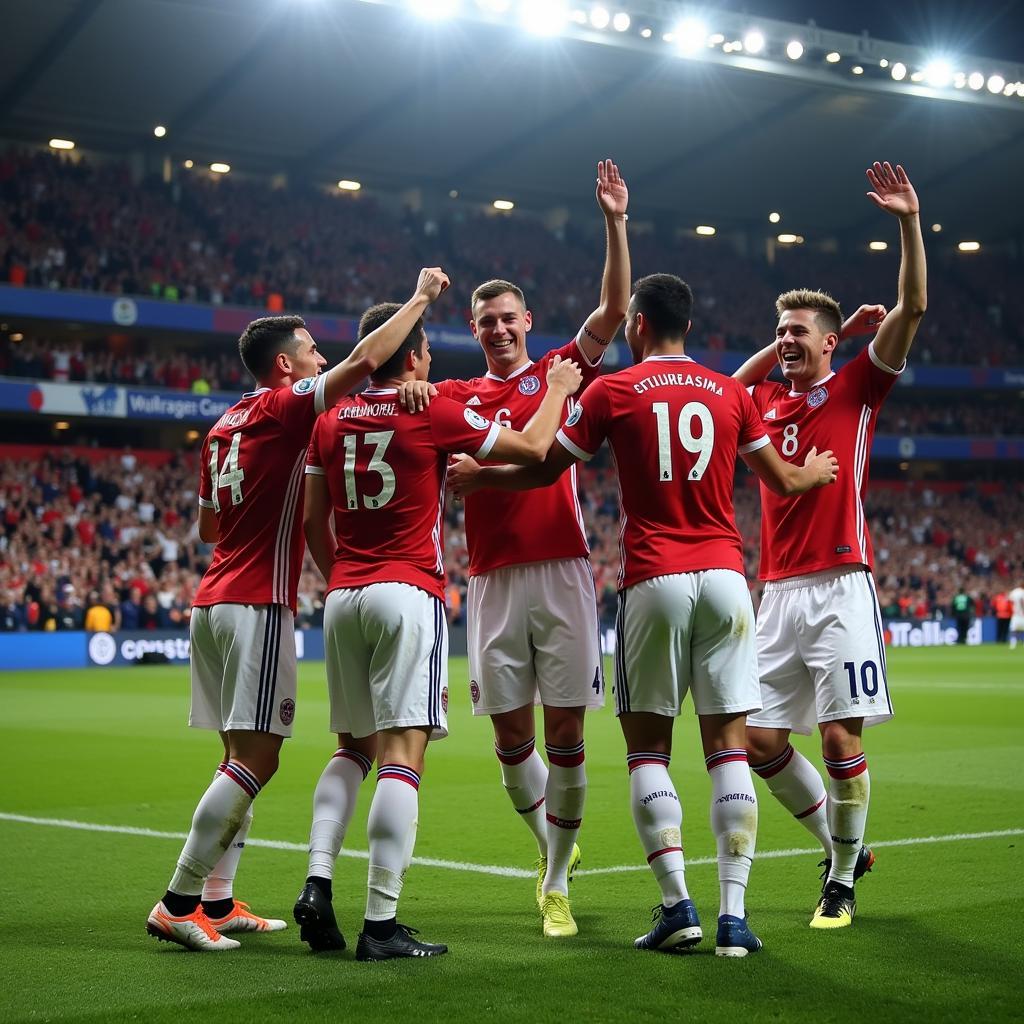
786 238
774 217
753 41
976 80
938 73
600 17
189 164
834 57
62 425
191 436
898 71
878 246
690 35
883 63
347 185
996 84
543 17
1010 90
705 229
621 22
17 336
857 70
504 204
61 144
716 39
220 168
794 49
434 10
646 33
917 76
936 227
453 193
159 131
959 80
969 246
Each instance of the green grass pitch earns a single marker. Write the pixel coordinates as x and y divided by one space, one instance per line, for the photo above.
938 936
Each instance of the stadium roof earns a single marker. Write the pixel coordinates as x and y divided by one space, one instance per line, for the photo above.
330 89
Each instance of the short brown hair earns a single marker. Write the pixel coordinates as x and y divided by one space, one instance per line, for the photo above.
826 309
378 316
264 338
492 289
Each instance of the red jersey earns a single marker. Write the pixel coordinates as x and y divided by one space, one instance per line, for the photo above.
251 475
385 471
823 528
504 528
675 429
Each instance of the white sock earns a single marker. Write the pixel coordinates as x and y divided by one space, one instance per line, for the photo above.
734 822
334 800
658 816
525 777
392 817
218 817
797 785
221 883
849 790
564 797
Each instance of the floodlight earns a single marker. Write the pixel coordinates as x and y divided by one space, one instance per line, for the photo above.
543 17
220 168
705 229
774 217
434 9
794 49
600 17
646 33
938 73
936 227
878 246
61 144
996 84
975 80
857 70
969 246
347 185
504 204
690 35
834 57
159 131
753 41
788 239
621 22
898 71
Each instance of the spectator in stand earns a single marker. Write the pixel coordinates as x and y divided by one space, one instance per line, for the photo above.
1002 608
98 617
131 609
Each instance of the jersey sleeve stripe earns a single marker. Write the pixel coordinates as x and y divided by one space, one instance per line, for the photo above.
574 449
746 449
492 435
320 393
583 355
316 471
873 356
203 503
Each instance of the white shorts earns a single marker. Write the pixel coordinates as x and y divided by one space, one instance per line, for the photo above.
386 647
691 631
533 637
243 668
820 652
1017 624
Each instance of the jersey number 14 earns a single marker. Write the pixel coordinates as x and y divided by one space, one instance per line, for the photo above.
230 474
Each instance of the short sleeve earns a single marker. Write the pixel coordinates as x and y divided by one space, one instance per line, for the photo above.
314 459
297 406
752 435
763 394
205 477
591 371
457 428
585 430
870 377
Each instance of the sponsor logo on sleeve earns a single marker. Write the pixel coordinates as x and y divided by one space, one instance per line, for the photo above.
529 385
475 420
817 397
575 415
304 386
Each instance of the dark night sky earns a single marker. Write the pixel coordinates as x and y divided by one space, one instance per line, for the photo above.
981 29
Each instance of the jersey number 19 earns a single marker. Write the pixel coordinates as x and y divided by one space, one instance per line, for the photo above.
700 445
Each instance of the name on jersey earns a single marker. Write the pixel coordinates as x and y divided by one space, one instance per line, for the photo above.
348 412
683 380
233 419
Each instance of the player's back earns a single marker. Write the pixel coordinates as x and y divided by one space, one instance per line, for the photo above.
675 429
251 476
385 470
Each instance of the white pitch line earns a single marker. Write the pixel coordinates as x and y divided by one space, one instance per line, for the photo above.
493 869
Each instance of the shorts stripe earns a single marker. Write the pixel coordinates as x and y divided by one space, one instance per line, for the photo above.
880 638
621 682
264 661
434 690
268 668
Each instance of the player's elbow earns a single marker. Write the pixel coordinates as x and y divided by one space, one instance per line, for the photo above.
208 534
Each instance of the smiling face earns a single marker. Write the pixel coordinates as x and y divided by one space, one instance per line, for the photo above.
500 325
804 347
304 361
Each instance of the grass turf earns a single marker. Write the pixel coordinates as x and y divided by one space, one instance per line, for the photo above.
938 936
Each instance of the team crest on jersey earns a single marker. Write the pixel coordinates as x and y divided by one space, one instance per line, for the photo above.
474 691
817 397
304 386
529 385
287 711
444 699
475 420
574 416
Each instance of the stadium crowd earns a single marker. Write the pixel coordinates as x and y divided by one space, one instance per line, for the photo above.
110 542
78 225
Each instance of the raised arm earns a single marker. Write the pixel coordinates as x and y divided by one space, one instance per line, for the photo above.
601 325
531 445
316 523
786 479
894 194
376 348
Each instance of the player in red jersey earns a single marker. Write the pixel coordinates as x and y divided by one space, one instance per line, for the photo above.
532 606
242 633
820 648
685 619
374 514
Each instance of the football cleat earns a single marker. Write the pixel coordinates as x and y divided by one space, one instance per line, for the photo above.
735 937
557 917
314 914
401 944
865 862
676 927
242 919
542 870
836 907
193 931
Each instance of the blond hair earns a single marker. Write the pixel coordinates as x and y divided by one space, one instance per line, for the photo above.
826 309
492 289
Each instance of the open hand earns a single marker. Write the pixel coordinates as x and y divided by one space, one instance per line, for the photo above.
612 194
893 191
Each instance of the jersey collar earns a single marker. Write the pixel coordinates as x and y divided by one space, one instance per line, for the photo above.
662 359
797 394
511 376
258 391
374 392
